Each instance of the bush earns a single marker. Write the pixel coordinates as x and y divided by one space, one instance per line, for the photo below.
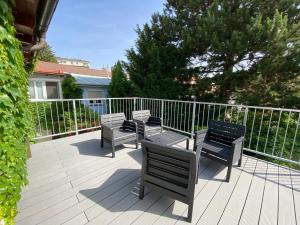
15 119
70 88
58 117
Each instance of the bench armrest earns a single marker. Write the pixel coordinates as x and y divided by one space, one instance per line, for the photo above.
198 150
201 132
109 128
199 138
238 141
237 148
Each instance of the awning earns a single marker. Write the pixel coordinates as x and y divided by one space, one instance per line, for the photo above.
91 80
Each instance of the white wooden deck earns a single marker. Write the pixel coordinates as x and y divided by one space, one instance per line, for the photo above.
73 181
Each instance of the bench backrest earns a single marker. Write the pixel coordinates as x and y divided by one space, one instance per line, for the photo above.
141 115
169 168
113 119
223 132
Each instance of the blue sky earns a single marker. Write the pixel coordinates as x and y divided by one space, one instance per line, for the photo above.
98 30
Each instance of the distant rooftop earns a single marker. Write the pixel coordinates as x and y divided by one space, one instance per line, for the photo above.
72 59
60 69
74 62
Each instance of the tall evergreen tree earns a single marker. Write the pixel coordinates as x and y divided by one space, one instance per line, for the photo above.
241 43
120 86
245 47
157 64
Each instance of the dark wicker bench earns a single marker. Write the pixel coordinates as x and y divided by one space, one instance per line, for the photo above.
171 171
147 124
117 130
222 142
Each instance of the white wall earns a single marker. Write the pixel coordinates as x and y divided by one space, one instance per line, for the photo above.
44 78
100 108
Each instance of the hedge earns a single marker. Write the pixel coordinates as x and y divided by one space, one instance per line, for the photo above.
15 119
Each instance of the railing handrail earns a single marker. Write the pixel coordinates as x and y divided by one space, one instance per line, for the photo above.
76 99
172 100
268 127
227 104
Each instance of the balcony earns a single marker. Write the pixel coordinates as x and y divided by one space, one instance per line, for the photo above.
73 181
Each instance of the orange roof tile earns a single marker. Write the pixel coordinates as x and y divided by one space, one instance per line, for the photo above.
59 69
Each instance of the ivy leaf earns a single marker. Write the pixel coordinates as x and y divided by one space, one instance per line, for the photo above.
16 93
5 100
3 7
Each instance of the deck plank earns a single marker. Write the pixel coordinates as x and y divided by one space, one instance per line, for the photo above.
295 178
215 178
251 211
269 210
74 181
213 212
177 208
134 211
126 219
286 210
95 210
237 200
102 194
73 192
77 220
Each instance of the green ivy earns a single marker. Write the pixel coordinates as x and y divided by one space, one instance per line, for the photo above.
15 119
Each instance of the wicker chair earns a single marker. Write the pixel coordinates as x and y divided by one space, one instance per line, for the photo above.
171 171
222 142
116 130
147 124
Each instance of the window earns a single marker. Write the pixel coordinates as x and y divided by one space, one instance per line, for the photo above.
39 89
31 90
95 94
52 90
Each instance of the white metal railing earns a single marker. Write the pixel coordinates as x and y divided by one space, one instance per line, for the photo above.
272 132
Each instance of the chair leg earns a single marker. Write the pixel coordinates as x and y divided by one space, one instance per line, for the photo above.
102 138
142 190
190 212
240 162
102 142
228 173
241 156
113 150
197 178
187 144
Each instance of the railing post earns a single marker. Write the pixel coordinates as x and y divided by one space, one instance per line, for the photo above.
109 105
245 122
75 116
141 104
245 117
134 104
162 114
193 119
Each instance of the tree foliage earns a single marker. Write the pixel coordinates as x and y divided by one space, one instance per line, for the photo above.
70 88
46 54
15 119
157 64
241 47
120 86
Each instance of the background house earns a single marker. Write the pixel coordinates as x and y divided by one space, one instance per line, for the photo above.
45 82
73 62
